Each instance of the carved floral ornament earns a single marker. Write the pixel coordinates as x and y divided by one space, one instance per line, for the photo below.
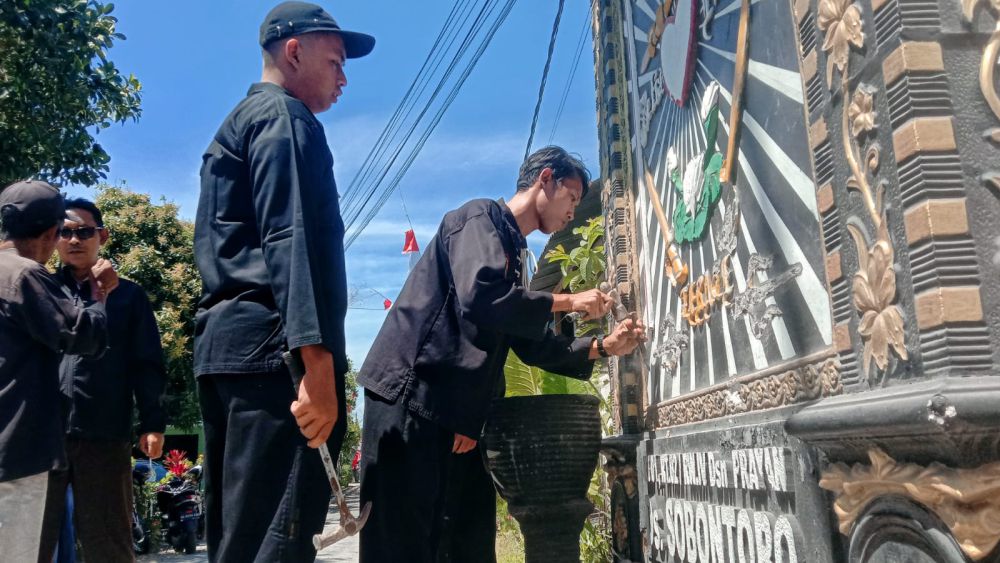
966 500
874 285
841 20
805 383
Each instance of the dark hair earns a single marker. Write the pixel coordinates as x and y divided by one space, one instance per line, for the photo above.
562 163
88 206
12 229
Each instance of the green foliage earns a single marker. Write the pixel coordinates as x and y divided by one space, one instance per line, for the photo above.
583 266
582 269
57 87
524 380
153 247
352 439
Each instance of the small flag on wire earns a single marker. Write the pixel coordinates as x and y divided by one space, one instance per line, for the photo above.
410 244
387 304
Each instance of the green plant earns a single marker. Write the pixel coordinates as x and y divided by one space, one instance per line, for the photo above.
352 438
582 268
58 88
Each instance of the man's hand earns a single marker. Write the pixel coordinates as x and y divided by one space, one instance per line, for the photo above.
315 410
625 337
593 303
151 444
463 444
103 280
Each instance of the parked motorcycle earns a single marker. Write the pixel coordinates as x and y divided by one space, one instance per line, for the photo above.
181 514
140 527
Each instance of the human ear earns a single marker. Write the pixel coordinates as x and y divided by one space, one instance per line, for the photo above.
545 175
293 49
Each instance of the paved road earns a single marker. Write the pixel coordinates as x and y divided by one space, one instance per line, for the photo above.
344 551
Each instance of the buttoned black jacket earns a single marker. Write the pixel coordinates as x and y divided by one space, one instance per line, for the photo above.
269 239
444 342
102 389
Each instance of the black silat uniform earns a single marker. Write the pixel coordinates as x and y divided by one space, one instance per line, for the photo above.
435 366
269 247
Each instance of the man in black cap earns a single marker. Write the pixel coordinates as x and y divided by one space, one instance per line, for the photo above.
38 324
269 247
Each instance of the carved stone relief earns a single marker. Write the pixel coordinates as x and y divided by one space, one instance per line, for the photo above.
801 384
874 285
966 500
987 70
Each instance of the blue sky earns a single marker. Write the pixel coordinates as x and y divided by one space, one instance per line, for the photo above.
196 60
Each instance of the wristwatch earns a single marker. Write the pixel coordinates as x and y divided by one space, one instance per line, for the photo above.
600 347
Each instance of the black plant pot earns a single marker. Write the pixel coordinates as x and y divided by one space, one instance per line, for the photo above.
542 451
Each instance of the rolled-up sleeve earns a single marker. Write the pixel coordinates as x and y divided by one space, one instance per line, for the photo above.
484 289
284 159
56 321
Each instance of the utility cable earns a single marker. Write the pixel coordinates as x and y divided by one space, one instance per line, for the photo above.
415 151
545 77
406 103
580 43
351 214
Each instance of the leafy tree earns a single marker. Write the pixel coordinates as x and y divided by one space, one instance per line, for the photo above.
153 247
352 439
57 87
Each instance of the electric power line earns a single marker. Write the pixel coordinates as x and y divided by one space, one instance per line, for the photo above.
352 215
545 77
580 43
405 104
486 13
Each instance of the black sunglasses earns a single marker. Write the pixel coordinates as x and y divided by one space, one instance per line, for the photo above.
82 233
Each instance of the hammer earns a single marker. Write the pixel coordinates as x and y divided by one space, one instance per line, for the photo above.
349 525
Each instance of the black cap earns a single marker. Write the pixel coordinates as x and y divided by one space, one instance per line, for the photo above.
30 206
295 18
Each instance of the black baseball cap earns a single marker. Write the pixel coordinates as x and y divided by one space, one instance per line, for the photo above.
295 18
31 206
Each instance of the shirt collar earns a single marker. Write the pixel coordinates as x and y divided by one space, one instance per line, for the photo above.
77 286
511 223
265 86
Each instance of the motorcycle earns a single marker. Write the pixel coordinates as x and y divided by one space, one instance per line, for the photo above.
140 527
181 514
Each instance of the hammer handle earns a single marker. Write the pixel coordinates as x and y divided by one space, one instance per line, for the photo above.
298 370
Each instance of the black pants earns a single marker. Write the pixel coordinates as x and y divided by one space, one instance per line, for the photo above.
470 516
413 480
101 475
266 492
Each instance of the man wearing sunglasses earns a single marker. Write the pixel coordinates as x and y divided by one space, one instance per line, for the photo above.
38 324
99 433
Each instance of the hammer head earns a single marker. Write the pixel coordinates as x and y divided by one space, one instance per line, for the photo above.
348 527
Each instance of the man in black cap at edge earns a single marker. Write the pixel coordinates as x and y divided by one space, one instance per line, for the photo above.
269 247
39 322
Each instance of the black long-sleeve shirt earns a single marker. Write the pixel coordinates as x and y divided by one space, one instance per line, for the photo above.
102 389
269 239
39 322
444 342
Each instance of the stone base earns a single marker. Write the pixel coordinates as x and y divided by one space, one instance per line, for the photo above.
552 532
